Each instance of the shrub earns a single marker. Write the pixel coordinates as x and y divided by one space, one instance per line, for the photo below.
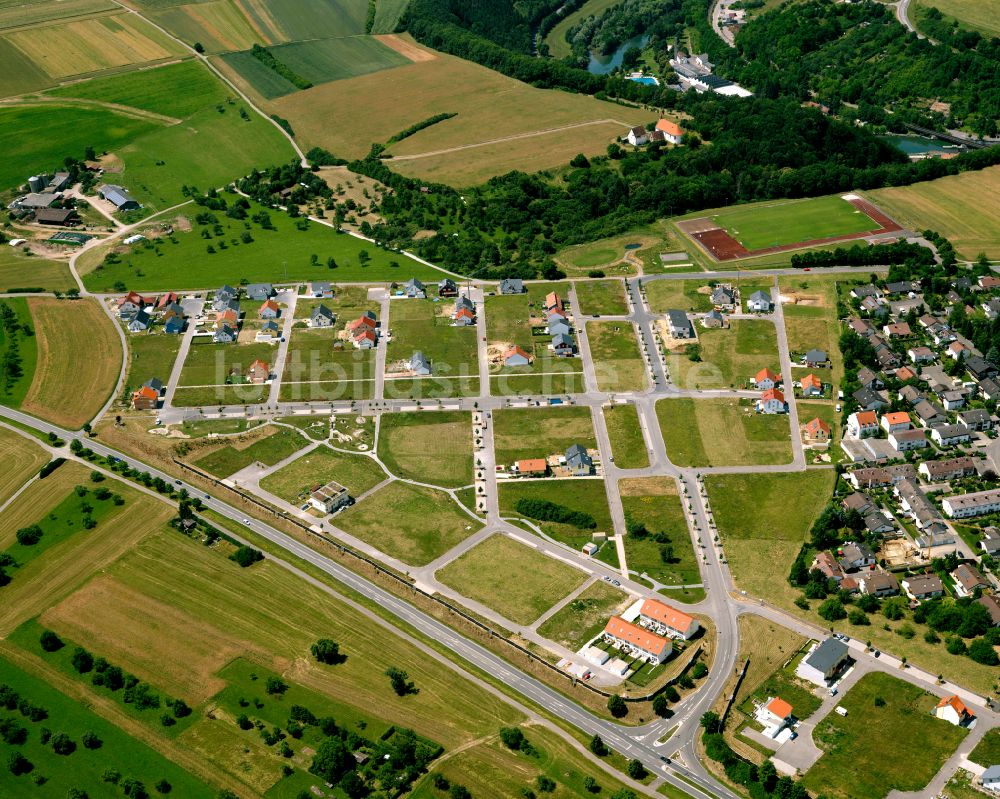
246 556
399 680
50 642
275 686
29 536
617 706
326 651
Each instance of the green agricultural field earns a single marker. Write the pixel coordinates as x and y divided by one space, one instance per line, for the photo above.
760 537
965 208
285 252
83 768
854 762
513 579
684 295
18 271
539 432
729 356
666 554
150 355
722 432
627 443
584 495
155 89
358 473
408 522
308 19
431 447
23 458
387 14
274 447
264 80
322 60
14 388
763 225
17 74
601 297
39 137
210 364
18 14
218 25
584 617
618 362
452 351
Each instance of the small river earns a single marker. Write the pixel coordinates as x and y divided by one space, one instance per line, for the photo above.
604 64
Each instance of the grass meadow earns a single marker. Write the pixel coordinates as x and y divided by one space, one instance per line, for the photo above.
618 363
964 208
18 270
682 295
276 444
627 444
286 253
722 432
587 495
854 761
584 617
70 335
358 473
810 308
601 297
428 447
409 522
969 13
513 579
729 356
539 432
760 225
13 389
150 355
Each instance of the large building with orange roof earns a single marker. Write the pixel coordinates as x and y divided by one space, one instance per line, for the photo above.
624 634
667 620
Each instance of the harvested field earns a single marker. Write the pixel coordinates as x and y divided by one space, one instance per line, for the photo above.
402 44
219 25
170 648
19 14
21 457
78 346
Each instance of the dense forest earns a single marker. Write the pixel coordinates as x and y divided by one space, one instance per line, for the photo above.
604 32
860 62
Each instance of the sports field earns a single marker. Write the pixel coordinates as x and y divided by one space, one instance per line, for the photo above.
618 363
183 262
318 61
357 473
722 432
964 208
408 522
429 447
93 44
79 360
969 13
729 356
513 579
488 107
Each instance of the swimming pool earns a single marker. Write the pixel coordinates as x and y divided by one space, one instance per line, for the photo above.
646 80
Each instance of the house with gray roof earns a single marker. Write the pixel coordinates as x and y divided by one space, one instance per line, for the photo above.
174 325
321 316
414 289
578 462
824 663
223 297
759 302
140 321
679 324
557 325
815 358
563 345
512 285
868 400
419 364
226 334
713 319
260 291
723 296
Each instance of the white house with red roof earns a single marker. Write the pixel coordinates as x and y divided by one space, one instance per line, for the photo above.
774 715
636 640
862 424
765 379
672 132
663 619
772 401
953 710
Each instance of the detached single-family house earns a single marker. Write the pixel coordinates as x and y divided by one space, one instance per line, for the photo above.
812 386
512 285
759 302
950 435
259 372
637 641
967 579
772 401
713 319
557 325
824 663
867 290
516 356
145 398
268 332
563 346
667 620
992 605
535 467
637 136
953 710
554 304
321 316
815 358
260 291
990 542
976 419
463 317
132 302
321 289
980 368
672 132
170 310
364 338
991 778
868 400
330 497
921 354
895 421
826 564
174 325
928 414
414 289
447 288
679 325
862 424
774 715
905 440
269 310
897 330
141 320
118 197
223 297
723 296
765 379
578 462
923 586
878 584
419 364
224 334
816 430
869 379
855 556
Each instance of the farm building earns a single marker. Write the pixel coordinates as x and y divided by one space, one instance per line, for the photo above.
61 217
118 197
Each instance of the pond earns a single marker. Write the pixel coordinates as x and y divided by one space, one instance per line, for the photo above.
601 64
632 246
918 145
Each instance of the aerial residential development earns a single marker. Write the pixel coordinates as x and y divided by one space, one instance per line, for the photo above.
421 398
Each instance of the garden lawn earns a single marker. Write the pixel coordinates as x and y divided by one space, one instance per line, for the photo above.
283 253
722 432
275 446
426 326
627 443
761 225
433 447
513 579
83 769
601 297
584 617
587 495
855 761
539 432
150 355
617 361
729 356
408 522
319 466
783 683
656 503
